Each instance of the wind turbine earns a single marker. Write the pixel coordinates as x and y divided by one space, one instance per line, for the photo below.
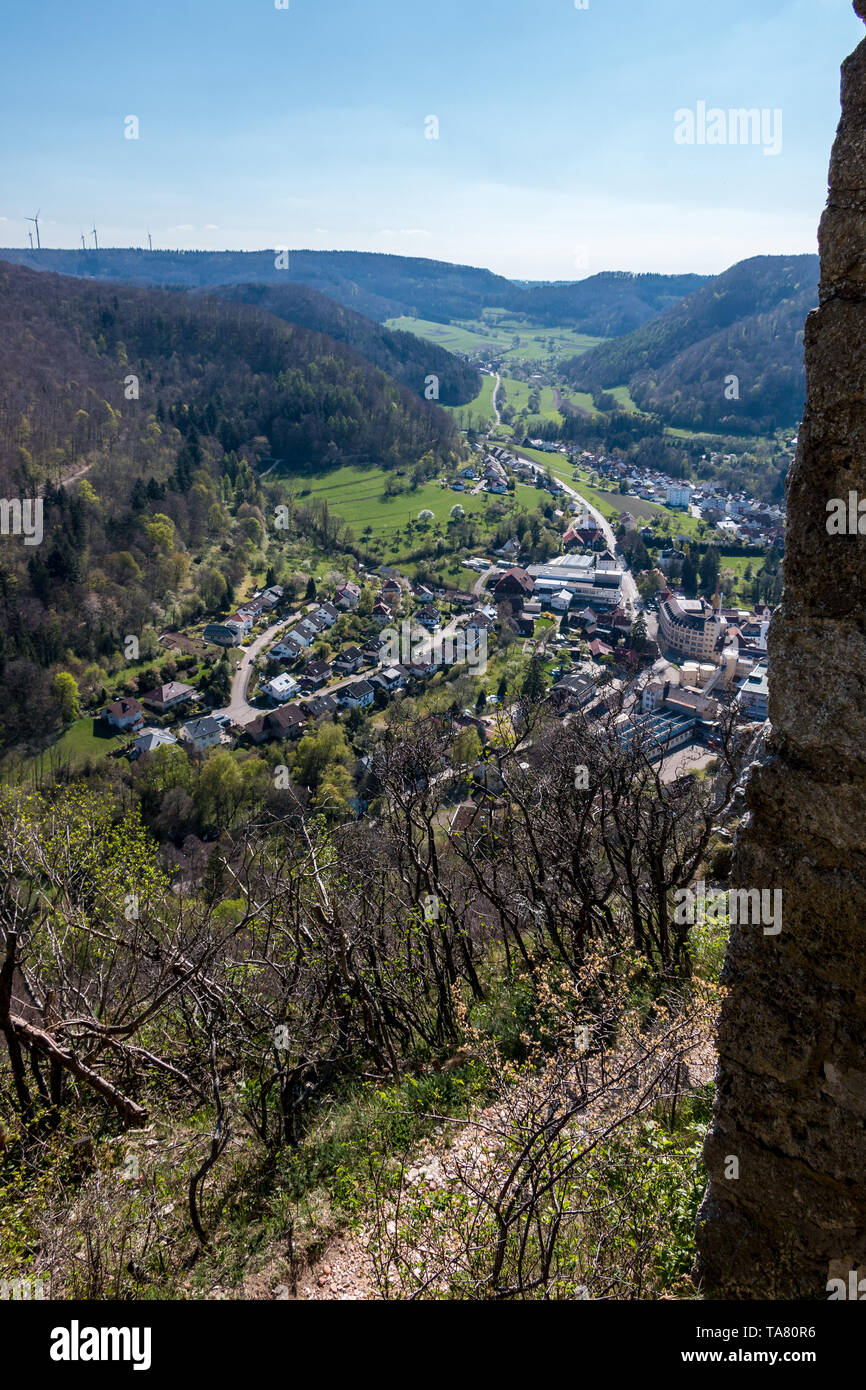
35 220
149 242
83 243
95 242
30 234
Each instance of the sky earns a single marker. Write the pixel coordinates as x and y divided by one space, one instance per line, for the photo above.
310 127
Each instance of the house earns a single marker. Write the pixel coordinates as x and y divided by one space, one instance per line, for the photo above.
273 597
166 697
480 622
287 722
349 661
514 583
315 674
305 632
201 733
652 696
347 596
572 692
429 617
600 649
358 695
753 697
422 592
281 688
124 714
371 650
392 677
328 612
229 634
381 613
149 740
287 650
321 706
244 621
561 602
511 549
420 669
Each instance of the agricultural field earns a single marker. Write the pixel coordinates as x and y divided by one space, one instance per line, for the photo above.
497 335
478 412
358 496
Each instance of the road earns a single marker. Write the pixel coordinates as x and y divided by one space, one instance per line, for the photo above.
629 588
239 709
495 406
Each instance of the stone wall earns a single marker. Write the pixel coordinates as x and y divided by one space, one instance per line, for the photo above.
786 1207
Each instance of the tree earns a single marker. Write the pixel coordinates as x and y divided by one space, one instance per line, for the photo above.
466 749
318 751
534 683
310 592
690 577
710 570
65 688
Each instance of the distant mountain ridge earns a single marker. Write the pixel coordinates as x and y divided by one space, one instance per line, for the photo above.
384 286
405 357
728 357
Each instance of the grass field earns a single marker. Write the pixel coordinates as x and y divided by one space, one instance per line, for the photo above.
481 409
79 743
622 395
357 495
496 335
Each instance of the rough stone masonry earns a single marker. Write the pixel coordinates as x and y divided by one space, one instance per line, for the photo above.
791 1101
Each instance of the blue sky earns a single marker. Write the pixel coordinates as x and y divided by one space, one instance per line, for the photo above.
305 127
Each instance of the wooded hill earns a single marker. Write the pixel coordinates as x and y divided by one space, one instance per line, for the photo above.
169 474
403 356
747 322
383 287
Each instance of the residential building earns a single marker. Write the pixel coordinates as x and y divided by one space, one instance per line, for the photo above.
149 740
201 733
170 696
229 634
124 713
754 694
347 596
281 688
358 695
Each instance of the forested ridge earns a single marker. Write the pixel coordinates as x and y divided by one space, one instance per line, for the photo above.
384 286
403 356
747 323
220 387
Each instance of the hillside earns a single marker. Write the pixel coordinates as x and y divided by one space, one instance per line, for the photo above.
172 509
405 357
383 287
747 322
